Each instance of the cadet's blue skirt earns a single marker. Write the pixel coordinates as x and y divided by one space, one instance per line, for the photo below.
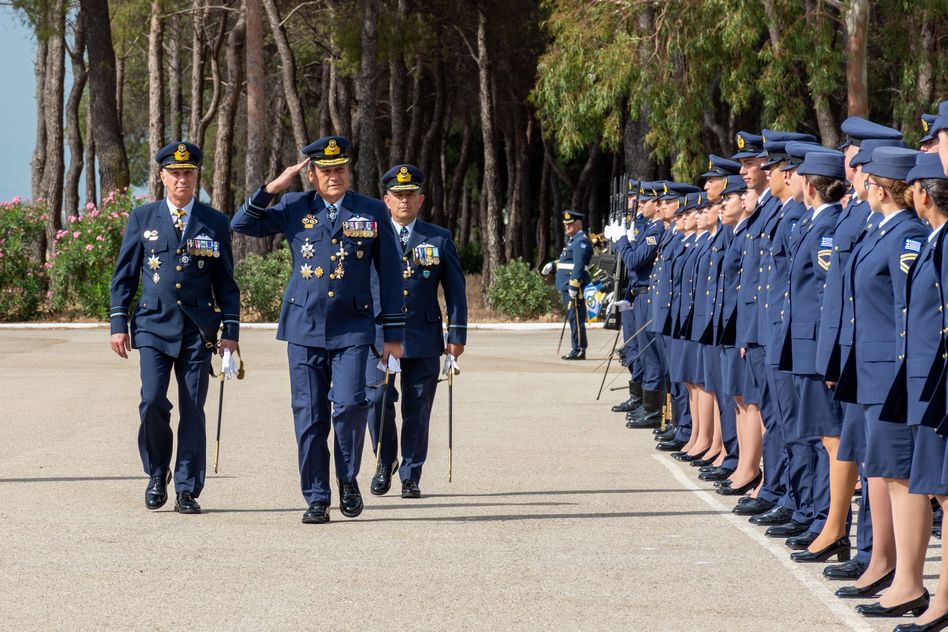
818 414
711 361
732 366
755 375
852 435
928 461
684 367
889 446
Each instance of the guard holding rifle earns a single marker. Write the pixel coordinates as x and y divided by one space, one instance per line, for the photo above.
571 277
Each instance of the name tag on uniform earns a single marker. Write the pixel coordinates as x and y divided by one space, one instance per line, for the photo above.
426 255
203 246
360 227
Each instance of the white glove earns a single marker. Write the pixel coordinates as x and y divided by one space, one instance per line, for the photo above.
547 268
623 305
394 366
630 233
228 366
573 292
607 231
450 364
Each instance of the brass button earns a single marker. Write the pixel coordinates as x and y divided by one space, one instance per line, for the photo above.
331 294
332 277
178 251
177 285
406 292
293 300
178 302
335 241
852 321
366 306
332 257
178 268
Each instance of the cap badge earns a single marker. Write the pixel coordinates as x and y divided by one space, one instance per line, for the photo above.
740 142
182 153
925 126
403 175
710 164
332 149
665 187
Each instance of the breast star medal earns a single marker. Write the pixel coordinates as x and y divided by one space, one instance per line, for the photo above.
154 262
306 271
308 250
319 272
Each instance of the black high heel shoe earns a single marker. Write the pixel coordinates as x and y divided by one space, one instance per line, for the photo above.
689 458
708 460
933 626
873 589
917 606
743 489
841 548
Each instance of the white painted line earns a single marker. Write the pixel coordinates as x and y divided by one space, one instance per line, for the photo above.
842 610
273 326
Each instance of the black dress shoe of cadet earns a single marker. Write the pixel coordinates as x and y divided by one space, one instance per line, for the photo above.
643 421
801 542
851 570
873 589
932 626
382 481
841 548
753 507
185 503
739 491
776 516
688 458
669 446
156 494
410 489
706 461
916 606
716 474
789 529
668 435
318 513
350 499
575 355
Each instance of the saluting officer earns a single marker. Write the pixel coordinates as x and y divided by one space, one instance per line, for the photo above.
180 249
571 277
429 261
327 318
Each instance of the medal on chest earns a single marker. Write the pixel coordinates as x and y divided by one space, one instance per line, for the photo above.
340 258
308 249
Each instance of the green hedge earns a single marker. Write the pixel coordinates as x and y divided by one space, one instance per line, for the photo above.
261 281
519 292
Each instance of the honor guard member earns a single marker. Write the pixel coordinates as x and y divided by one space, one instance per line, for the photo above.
633 225
180 251
571 277
429 261
327 318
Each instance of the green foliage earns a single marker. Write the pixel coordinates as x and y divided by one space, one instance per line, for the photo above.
472 259
22 277
84 255
519 292
261 281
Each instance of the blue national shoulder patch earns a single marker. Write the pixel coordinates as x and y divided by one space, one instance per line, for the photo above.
912 245
826 242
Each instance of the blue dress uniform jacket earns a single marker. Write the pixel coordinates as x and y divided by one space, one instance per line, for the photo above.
722 241
809 265
878 270
320 307
729 284
572 263
176 285
765 266
662 289
187 293
748 292
778 277
702 306
638 256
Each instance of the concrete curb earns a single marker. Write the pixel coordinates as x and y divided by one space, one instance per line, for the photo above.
273 326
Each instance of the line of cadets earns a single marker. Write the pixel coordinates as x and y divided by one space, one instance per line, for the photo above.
793 313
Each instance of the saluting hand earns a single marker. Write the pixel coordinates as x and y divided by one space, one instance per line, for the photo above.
121 344
286 178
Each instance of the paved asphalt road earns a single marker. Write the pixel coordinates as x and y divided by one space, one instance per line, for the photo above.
558 517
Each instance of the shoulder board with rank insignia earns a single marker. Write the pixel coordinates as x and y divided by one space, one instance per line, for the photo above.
906 259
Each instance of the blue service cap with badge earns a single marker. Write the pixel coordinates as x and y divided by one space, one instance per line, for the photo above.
942 121
645 190
179 155
692 200
329 151
719 167
870 145
891 162
927 167
735 184
403 178
796 152
824 163
672 190
633 187
927 121
858 129
748 145
775 144
571 216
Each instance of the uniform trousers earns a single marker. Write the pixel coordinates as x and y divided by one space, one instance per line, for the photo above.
155 438
809 467
681 410
774 442
419 381
320 377
784 396
629 352
650 357
576 316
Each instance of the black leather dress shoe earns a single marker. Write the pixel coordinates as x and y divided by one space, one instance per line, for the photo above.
670 446
789 529
634 401
841 548
725 483
156 494
575 355
753 507
688 458
716 474
739 491
776 516
916 606
851 570
933 626
706 461
801 542
873 589
643 421
350 499
410 489
186 503
382 481
668 435
318 513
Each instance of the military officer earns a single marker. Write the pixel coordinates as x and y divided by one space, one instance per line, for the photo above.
429 261
571 277
178 251
327 318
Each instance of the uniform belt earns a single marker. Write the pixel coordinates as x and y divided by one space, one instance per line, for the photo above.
642 289
566 266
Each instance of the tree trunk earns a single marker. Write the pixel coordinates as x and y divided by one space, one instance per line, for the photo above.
119 88
55 82
543 219
322 116
107 127
39 149
174 78
156 93
366 169
91 189
457 179
198 16
339 102
857 35
464 223
925 41
411 151
288 73
491 239
77 60
257 121
223 193
580 191
433 133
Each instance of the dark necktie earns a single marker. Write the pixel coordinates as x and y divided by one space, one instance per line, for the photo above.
403 235
331 209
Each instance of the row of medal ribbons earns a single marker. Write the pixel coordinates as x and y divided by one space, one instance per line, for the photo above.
426 255
203 247
359 228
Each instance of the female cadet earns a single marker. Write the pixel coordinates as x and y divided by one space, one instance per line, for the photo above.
923 324
822 176
875 292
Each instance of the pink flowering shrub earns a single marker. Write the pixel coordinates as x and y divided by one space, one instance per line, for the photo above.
22 275
84 256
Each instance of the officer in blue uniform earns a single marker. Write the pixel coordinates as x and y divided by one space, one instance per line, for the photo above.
327 318
180 250
572 276
429 261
